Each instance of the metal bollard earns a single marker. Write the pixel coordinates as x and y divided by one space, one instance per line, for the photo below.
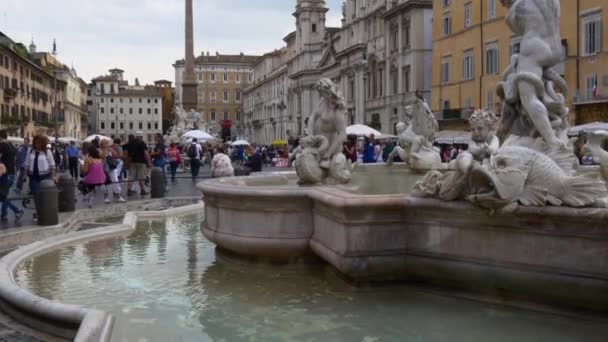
46 206
157 183
67 194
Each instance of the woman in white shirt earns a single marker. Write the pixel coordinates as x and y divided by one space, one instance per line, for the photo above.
40 164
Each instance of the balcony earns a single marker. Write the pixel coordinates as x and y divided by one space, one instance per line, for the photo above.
10 94
586 97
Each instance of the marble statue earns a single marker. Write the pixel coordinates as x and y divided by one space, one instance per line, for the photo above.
534 166
321 159
415 145
597 144
532 107
184 122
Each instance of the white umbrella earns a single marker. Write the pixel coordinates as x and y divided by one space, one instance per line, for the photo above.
15 140
198 135
67 140
240 143
92 137
362 130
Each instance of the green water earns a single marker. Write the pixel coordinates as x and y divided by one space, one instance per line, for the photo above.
165 282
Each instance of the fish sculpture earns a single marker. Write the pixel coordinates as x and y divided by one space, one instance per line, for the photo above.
519 175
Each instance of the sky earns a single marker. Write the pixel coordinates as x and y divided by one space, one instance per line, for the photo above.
145 37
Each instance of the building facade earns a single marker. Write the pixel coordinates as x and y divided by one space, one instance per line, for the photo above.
472 46
379 58
221 80
168 92
33 97
118 109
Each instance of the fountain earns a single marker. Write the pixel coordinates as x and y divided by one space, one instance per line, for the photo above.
514 219
507 223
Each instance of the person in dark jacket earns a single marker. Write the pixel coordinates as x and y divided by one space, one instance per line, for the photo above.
255 162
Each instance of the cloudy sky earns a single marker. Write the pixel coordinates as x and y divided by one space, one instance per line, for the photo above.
145 37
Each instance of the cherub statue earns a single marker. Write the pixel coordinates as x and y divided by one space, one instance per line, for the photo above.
483 141
416 138
327 132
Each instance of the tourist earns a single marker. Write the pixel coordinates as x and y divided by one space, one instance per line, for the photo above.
369 155
119 152
255 161
72 153
221 166
159 157
21 158
8 157
139 158
174 157
194 153
40 165
378 152
94 175
111 156
350 149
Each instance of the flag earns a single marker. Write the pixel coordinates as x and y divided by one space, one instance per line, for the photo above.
595 86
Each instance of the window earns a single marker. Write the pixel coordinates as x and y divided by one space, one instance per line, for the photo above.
213 95
514 46
314 28
395 80
155 100
103 125
130 110
591 84
238 115
445 2
225 96
141 125
238 77
141 111
225 77
156 125
407 28
111 100
130 100
467 66
445 70
468 103
380 83
491 9
200 76
407 70
490 100
102 99
101 110
112 125
122 125
130 125
149 111
225 115
213 116
250 77
491 59
446 25
140 100
212 76
592 34
121 110
148 100
237 95
155 110
468 14
149 125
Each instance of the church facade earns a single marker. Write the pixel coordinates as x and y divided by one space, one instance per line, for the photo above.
379 57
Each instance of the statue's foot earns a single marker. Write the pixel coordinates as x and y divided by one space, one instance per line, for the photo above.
324 164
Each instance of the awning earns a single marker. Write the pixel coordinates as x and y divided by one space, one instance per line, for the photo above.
452 137
588 128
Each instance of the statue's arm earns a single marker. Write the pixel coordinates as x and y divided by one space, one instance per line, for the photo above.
494 145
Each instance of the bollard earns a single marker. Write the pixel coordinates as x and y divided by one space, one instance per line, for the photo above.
67 194
157 183
46 206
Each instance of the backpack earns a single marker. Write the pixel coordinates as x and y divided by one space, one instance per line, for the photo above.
192 151
111 162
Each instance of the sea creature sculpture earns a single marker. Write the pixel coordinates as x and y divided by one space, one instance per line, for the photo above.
321 159
520 175
416 138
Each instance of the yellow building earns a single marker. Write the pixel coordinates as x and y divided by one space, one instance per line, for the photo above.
221 80
472 45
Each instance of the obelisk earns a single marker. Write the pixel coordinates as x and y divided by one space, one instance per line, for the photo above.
189 85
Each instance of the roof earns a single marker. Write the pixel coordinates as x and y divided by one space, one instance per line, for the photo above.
148 91
106 78
223 59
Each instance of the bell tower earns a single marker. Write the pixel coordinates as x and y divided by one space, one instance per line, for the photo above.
310 24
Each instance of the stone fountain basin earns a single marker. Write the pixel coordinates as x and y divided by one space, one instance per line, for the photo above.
551 255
